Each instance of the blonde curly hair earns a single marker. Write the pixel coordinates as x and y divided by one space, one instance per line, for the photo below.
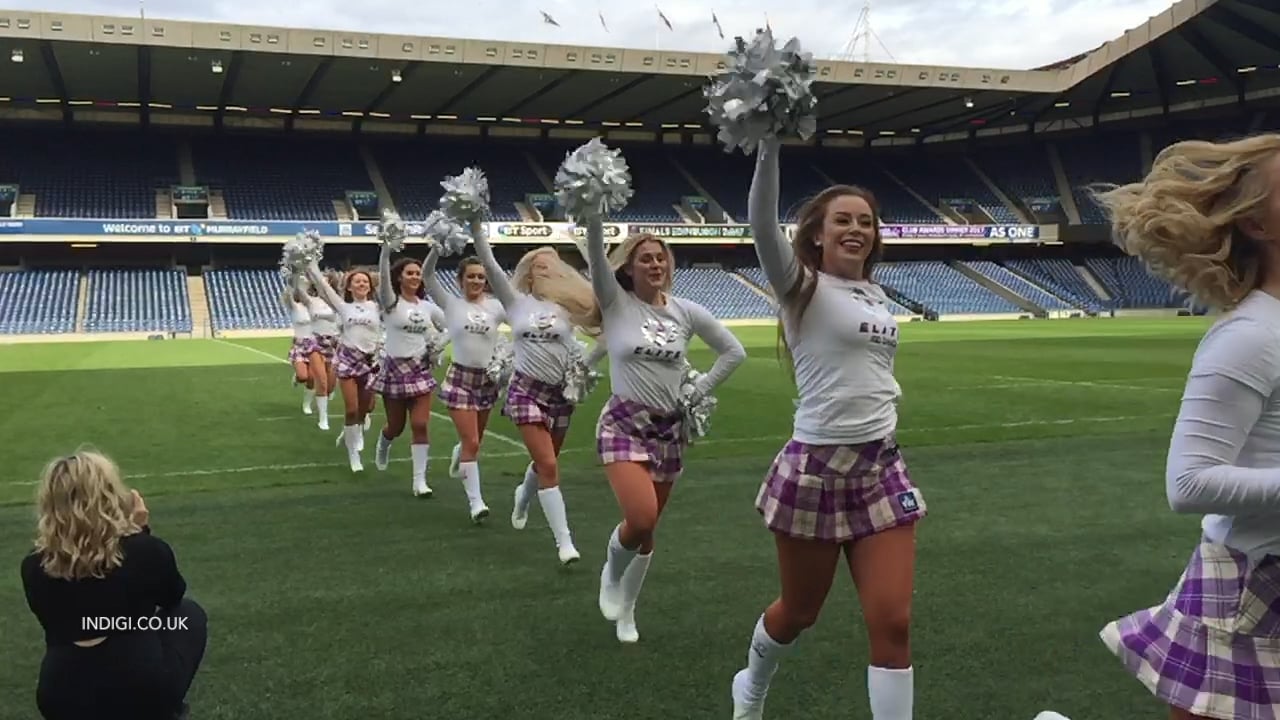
83 510
1186 220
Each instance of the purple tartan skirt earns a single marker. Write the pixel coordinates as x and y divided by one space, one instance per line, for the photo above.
1213 647
630 432
327 346
301 349
354 364
533 402
468 388
403 378
839 493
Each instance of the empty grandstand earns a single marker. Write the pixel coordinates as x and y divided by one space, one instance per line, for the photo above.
161 208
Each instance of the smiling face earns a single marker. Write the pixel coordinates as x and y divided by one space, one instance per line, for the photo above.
473 280
411 279
358 285
847 237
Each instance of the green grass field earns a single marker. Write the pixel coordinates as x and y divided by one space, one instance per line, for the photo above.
1040 448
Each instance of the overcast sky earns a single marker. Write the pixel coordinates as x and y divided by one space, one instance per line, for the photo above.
1015 34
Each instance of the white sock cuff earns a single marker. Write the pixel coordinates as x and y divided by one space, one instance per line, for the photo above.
762 635
891 692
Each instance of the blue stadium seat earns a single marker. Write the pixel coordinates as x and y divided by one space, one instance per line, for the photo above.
1019 285
722 294
137 301
245 299
38 302
413 171
942 288
1059 276
1131 286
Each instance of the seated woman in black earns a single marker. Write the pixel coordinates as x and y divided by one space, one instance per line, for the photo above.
121 640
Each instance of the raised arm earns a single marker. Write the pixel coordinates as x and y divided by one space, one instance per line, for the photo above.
386 293
438 294
498 280
1228 387
776 257
603 282
326 291
438 319
729 351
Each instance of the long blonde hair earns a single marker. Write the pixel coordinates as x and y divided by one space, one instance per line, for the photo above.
83 509
563 286
1183 219
621 257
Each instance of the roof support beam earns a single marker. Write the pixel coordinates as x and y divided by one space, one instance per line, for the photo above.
1241 25
828 120
669 101
1105 92
309 89
515 109
444 107
55 76
229 76
406 72
144 83
1225 67
1162 76
624 87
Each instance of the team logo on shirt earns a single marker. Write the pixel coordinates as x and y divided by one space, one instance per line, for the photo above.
866 297
541 324
660 332
477 322
880 333
417 323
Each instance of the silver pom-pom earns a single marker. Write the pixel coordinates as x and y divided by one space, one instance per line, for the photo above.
593 181
501 363
763 92
466 196
303 250
392 233
446 232
579 378
436 343
696 407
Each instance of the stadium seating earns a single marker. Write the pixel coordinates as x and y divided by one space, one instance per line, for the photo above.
245 299
1087 160
949 176
1132 286
413 171
756 276
942 289
1019 285
1021 172
657 185
1060 277
279 178
103 175
137 301
38 302
722 294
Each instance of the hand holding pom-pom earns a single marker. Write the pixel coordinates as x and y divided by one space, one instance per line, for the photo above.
579 378
466 196
303 250
593 181
695 405
763 92
392 233
447 233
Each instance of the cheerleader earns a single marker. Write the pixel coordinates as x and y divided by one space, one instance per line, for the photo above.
467 391
840 484
324 330
1207 219
354 360
292 299
640 436
545 299
413 337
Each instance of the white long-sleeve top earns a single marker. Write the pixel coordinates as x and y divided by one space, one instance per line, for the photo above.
844 347
1224 457
361 320
300 318
648 344
324 319
409 325
542 338
473 326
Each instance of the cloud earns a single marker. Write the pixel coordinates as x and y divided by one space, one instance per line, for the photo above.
1016 34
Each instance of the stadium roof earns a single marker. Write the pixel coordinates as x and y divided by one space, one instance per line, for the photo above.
1196 54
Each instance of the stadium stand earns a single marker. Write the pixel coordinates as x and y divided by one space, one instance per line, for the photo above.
270 161
38 302
137 301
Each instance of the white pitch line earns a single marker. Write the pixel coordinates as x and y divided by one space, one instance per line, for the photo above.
1085 383
496 436
591 448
